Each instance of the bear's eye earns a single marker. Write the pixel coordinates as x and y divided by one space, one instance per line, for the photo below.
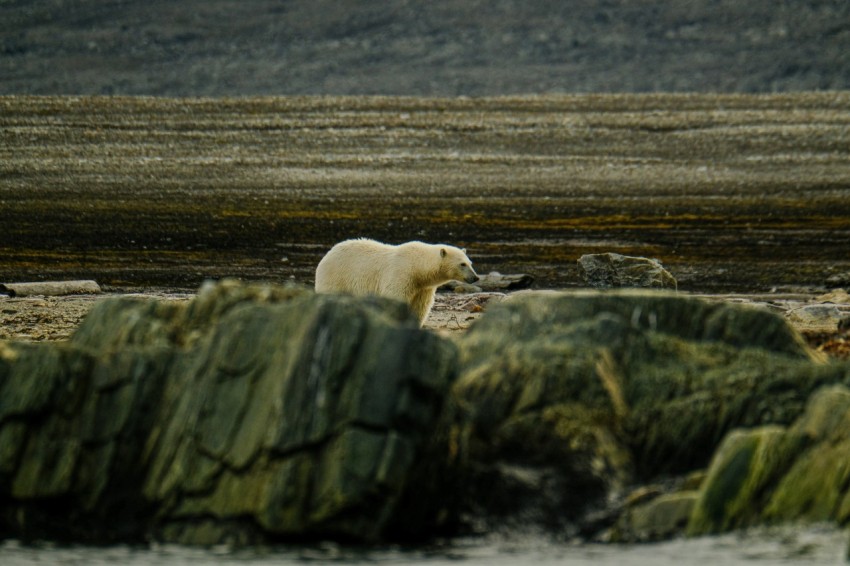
463 265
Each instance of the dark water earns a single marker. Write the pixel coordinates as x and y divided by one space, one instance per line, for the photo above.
811 546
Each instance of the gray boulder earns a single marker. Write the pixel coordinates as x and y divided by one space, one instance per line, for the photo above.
603 271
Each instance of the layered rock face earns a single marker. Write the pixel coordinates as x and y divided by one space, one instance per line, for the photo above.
260 414
251 414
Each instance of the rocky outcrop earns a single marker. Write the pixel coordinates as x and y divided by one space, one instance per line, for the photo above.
253 413
258 414
763 475
564 401
780 474
604 271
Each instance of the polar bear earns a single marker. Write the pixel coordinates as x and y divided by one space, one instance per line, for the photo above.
409 272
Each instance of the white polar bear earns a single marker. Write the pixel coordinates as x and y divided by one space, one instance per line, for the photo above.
409 272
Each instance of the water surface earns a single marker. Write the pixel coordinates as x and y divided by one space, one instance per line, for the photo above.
813 546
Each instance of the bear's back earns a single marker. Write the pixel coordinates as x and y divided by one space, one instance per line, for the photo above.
353 266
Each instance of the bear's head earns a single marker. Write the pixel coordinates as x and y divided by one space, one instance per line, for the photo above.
455 265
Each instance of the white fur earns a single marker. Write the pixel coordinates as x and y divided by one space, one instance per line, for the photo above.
408 272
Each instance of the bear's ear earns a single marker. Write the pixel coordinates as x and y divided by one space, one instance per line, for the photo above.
443 252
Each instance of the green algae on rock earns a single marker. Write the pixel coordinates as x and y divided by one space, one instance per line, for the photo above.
587 393
782 474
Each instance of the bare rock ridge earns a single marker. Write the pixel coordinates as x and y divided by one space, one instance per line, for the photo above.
256 414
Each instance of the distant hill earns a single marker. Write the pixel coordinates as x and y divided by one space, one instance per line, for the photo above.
418 47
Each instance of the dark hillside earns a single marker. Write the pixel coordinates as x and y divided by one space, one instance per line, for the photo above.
407 47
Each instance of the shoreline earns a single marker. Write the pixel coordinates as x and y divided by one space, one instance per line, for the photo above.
815 316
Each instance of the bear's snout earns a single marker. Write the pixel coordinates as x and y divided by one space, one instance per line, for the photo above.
472 278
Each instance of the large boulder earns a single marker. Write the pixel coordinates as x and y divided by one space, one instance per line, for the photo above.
566 399
253 413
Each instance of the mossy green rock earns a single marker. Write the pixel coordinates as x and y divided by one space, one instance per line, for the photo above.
663 517
816 487
743 466
799 473
250 413
257 413
567 398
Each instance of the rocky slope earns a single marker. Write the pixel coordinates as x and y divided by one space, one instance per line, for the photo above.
445 47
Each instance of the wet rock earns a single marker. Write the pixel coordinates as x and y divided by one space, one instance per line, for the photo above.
252 413
602 271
